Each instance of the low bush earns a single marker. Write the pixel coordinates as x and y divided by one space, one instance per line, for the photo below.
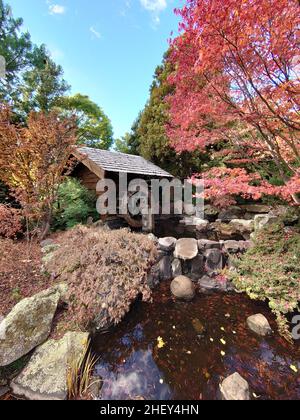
74 205
105 271
10 221
270 271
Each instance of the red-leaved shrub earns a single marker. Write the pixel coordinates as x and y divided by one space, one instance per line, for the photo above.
10 221
105 271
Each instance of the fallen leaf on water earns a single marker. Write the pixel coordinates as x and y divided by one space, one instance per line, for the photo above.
160 343
294 368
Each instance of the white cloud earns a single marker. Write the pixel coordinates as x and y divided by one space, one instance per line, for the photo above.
155 6
57 9
95 32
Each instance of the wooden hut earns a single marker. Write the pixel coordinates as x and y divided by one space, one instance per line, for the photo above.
95 164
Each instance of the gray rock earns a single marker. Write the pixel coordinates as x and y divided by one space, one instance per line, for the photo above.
45 376
211 213
197 267
235 388
27 325
226 232
183 288
208 284
165 268
90 221
176 268
201 225
186 249
242 226
261 221
234 247
4 390
205 244
214 260
256 208
233 212
167 244
47 242
153 278
259 324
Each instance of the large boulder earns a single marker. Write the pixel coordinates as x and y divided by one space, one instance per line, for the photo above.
27 325
183 288
259 325
186 249
167 244
235 388
45 376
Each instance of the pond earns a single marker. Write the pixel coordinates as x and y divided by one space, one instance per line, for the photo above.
159 351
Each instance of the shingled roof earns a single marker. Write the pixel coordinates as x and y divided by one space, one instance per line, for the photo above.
120 162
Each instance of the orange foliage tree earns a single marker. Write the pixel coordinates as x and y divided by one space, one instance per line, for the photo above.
238 71
34 161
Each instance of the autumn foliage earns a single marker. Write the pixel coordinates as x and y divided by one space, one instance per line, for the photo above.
34 159
105 271
237 82
10 221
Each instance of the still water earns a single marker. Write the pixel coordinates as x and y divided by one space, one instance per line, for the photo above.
169 350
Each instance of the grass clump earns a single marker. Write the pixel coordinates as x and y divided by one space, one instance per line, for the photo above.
270 271
105 272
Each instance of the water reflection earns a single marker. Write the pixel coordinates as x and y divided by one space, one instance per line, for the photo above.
137 376
187 365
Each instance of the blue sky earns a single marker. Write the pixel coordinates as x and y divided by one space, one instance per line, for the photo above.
108 48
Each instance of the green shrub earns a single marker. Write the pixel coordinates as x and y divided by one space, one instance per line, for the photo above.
74 205
270 271
105 272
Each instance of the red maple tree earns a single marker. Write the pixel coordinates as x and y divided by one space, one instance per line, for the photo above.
34 160
237 79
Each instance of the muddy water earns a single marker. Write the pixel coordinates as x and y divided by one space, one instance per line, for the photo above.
160 351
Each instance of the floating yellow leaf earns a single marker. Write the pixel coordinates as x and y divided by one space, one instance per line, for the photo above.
294 368
160 343
223 342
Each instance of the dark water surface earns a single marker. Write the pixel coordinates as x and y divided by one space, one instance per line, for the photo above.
182 364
